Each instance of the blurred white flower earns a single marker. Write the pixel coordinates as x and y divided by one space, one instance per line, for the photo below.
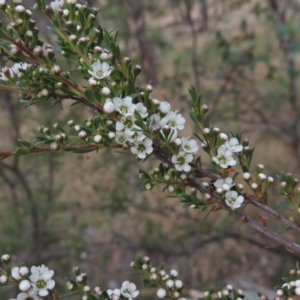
174 120
142 149
189 146
56 5
181 161
100 70
224 158
233 200
233 145
124 106
128 290
41 279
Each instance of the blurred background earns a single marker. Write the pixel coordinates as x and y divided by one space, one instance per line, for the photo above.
85 210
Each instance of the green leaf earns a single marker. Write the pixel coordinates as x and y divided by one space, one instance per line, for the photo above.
53 30
68 294
148 283
92 297
26 144
286 206
89 95
78 150
21 151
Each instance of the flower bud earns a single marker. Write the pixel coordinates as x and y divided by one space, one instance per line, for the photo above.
3 278
206 131
164 107
54 146
23 271
105 91
223 136
6 258
24 285
56 69
109 107
137 69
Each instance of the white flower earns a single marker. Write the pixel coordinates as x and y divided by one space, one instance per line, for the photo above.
224 183
126 123
142 149
154 119
121 137
100 70
124 106
189 146
233 200
161 293
142 110
174 120
233 145
15 273
170 136
135 135
31 294
56 5
181 161
17 66
224 158
128 290
164 107
41 279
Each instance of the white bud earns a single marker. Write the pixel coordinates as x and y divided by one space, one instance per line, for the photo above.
254 186
162 273
104 56
144 266
82 134
171 188
240 186
246 176
297 291
105 91
24 285
20 8
178 284
164 107
178 141
229 287
173 273
86 289
279 292
260 166
109 107
3 279
262 176
219 191
270 179
170 283
206 130
161 293
153 276
93 82
77 127
223 136
111 135
5 257
155 102
97 138
23 271
216 129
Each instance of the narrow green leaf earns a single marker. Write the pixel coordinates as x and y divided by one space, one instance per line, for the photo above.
68 294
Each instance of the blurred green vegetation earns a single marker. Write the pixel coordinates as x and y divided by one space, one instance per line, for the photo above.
64 210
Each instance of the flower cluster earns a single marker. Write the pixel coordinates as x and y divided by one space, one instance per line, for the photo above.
228 293
33 284
225 153
9 73
127 291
